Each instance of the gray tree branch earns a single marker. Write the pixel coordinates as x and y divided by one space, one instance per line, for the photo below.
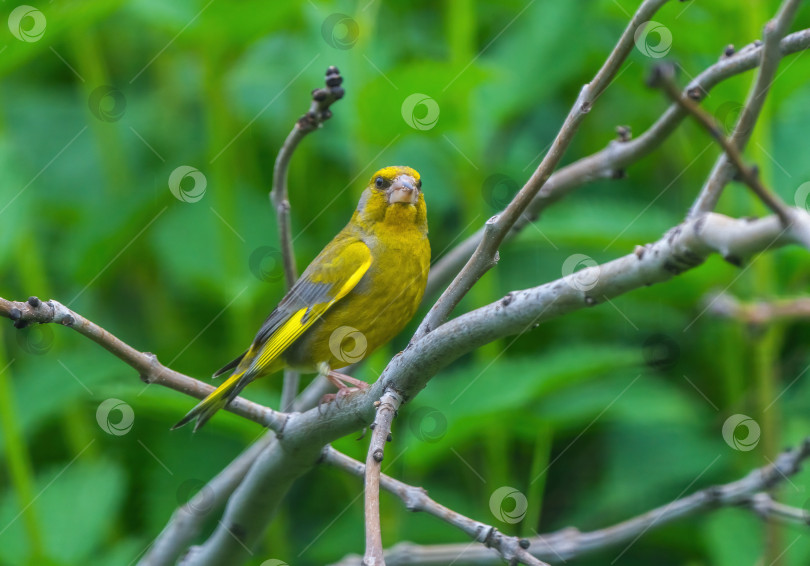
771 54
496 229
608 162
566 544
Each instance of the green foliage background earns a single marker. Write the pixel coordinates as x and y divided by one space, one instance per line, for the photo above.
594 417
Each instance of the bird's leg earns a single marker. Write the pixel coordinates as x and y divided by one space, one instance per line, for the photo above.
340 381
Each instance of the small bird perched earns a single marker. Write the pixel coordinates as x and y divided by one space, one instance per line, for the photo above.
364 286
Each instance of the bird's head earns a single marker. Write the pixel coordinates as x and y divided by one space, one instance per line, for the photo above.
393 196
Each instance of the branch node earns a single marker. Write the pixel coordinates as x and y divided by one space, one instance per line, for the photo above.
524 543
14 314
378 455
68 320
34 301
625 133
729 50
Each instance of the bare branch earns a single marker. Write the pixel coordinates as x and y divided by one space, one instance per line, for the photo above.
386 411
609 162
496 229
416 499
723 169
663 78
319 112
147 365
758 313
570 543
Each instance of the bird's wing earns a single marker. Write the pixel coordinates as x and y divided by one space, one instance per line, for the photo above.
329 278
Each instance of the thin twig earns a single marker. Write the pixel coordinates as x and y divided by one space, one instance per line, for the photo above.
723 169
663 78
613 159
151 371
571 543
497 227
319 112
416 499
386 411
760 312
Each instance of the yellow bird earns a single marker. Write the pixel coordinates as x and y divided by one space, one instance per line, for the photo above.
356 295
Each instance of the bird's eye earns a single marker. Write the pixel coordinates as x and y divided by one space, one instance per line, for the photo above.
379 182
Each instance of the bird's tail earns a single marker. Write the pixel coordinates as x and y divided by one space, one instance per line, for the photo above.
216 400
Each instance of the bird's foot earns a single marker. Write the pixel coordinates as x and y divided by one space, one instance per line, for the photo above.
340 380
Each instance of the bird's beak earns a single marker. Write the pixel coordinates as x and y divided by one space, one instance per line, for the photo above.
403 189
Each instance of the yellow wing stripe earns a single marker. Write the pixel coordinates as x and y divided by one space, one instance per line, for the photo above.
295 326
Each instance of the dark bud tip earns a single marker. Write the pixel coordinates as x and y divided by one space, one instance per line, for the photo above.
378 455
590 301
695 93
20 324
624 133
728 51
15 314
333 80
34 301
338 92
660 72
332 70
389 438
319 94
618 174
68 320
524 543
